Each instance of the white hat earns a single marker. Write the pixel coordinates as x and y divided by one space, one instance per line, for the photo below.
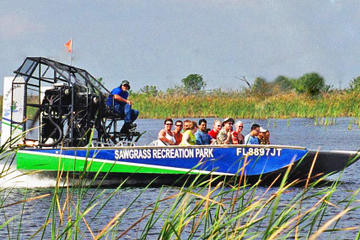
238 123
228 120
262 129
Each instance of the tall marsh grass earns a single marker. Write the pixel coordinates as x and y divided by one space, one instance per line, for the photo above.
238 105
201 209
224 104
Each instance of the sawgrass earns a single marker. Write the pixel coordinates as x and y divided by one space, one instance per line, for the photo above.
201 209
238 105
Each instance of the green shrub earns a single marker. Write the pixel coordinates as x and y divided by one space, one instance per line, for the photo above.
310 83
355 84
193 83
283 83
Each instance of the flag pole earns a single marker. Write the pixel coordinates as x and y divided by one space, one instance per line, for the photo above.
71 51
69 48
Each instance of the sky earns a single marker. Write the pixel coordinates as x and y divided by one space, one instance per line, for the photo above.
159 42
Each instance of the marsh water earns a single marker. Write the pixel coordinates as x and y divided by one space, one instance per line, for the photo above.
341 134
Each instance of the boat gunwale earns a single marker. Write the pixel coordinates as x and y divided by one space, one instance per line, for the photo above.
171 147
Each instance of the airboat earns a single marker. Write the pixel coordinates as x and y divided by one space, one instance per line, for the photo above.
55 115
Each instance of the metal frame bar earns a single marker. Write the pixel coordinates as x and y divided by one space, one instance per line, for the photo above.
38 72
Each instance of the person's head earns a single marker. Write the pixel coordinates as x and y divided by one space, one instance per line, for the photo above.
264 136
239 126
255 129
125 85
228 123
186 124
178 125
267 134
217 126
193 126
267 137
202 125
168 124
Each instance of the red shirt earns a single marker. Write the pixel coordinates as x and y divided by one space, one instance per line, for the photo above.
239 138
178 138
213 134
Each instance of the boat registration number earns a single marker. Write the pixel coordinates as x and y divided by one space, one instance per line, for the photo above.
259 152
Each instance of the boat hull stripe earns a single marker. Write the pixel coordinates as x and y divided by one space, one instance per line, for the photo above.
111 162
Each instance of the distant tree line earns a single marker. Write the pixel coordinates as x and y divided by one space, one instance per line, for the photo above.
310 84
192 84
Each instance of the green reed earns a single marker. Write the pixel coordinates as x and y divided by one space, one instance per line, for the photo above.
204 208
350 124
240 105
236 104
324 121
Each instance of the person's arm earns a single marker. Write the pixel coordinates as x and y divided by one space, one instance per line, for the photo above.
162 137
267 137
207 139
212 139
234 138
246 140
221 138
121 99
242 139
185 139
228 137
178 139
198 139
254 140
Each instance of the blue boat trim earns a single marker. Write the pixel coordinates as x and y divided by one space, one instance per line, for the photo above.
229 160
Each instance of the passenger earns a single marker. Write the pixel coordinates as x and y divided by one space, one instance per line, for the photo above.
177 132
237 136
165 135
267 137
202 136
186 125
188 137
264 136
252 138
225 134
216 129
119 103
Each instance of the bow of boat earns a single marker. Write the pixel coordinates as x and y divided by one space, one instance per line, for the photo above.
320 163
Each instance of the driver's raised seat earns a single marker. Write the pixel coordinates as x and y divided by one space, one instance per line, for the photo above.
127 133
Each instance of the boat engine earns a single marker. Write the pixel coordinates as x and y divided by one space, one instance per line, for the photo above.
68 111
69 105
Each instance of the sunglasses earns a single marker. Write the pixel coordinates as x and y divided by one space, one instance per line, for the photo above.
169 124
178 125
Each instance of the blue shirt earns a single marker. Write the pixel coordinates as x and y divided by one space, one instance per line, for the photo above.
202 138
251 140
117 91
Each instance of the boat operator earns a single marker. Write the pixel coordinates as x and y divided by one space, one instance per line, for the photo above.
118 102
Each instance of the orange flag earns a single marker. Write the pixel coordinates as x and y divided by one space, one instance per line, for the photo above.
68 45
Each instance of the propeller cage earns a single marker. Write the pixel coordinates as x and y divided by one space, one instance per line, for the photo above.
63 104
